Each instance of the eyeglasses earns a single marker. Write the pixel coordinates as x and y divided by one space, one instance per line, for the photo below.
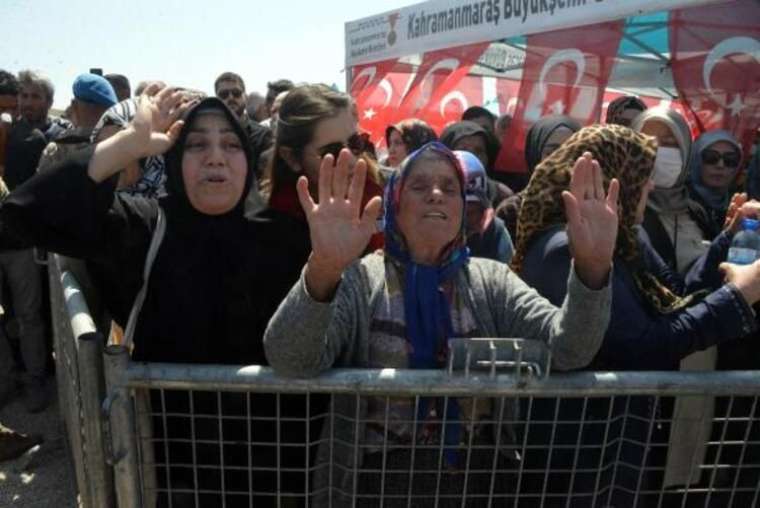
357 143
235 92
730 159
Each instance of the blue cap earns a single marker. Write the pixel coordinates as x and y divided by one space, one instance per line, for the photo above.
94 89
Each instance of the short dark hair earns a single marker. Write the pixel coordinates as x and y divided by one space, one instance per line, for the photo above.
119 80
279 86
229 76
477 112
8 83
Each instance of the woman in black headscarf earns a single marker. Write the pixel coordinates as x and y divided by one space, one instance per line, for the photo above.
544 137
212 280
473 138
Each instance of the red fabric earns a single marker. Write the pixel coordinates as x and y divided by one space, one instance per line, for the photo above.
565 72
716 65
285 200
438 75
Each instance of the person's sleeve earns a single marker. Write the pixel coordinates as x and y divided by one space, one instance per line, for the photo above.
574 331
305 337
704 273
504 247
637 338
63 210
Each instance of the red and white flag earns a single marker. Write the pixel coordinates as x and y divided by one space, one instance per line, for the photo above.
565 73
437 77
716 65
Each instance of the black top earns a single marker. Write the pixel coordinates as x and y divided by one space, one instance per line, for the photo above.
215 282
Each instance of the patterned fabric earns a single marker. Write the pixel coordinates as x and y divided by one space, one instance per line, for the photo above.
153 175
623 154
417 315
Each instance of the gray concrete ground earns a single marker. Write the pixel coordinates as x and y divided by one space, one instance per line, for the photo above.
44 477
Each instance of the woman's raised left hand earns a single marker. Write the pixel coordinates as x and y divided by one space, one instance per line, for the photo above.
592 221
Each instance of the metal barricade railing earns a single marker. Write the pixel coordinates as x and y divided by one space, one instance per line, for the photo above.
493 429
79 373
203 435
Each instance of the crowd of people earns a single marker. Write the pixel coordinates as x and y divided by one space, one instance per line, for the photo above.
248 229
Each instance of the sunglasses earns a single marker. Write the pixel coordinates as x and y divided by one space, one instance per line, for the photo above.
236 93
357 143
730 159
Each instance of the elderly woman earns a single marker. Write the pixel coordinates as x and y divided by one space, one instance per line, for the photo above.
205 266
405 137
715 160
399 308
653 323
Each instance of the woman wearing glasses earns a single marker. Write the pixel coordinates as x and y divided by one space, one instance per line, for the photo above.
714 163
314 121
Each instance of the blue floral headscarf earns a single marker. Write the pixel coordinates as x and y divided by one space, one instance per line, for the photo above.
427 311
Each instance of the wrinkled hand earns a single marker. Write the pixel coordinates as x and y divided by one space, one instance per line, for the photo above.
155 126
592 221
339 229
746 278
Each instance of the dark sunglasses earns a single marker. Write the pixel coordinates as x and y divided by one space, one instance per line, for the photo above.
357 143
730 159
236 93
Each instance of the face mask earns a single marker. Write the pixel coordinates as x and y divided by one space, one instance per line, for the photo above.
667 167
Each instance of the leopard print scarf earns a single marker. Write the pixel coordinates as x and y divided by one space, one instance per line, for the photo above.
622 154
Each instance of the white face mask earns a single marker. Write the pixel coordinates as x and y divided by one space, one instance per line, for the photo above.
667 167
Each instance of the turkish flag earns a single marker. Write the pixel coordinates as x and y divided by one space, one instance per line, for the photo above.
565 73
378 93
438 75
716 65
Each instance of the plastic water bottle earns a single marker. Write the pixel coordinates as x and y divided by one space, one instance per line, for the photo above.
745 247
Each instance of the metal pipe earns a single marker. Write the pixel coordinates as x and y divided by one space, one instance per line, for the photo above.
424 383
121 417
92 392
67 377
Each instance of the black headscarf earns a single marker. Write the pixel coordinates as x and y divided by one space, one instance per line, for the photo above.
456 131
540 132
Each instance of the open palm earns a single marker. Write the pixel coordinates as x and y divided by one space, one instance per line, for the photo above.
340 230
592 219
156 123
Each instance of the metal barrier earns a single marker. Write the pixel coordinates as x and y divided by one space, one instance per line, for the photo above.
582 439
470 435
79 373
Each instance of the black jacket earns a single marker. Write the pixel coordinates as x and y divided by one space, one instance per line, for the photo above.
215 282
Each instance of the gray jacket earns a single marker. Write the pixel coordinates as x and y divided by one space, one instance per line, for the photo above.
306 337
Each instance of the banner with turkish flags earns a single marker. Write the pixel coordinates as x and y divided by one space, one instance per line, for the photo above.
565 73
716 65
438 91
437 76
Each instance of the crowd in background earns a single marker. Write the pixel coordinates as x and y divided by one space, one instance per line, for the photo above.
241 204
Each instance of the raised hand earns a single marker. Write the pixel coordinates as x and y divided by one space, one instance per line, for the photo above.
153 131
592 221
340 230
155 126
